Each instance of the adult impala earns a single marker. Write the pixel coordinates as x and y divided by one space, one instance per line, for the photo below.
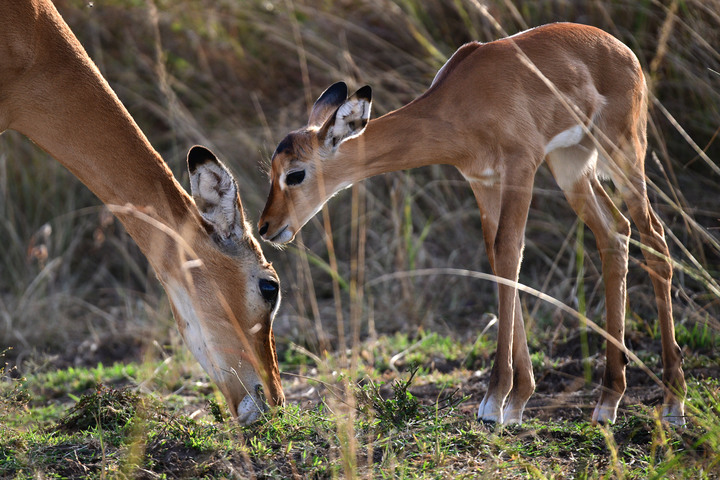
568 94
222 291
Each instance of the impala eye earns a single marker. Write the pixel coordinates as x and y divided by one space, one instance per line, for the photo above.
295 178
269 289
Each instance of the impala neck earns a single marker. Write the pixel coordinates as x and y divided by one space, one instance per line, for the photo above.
102 145
404 139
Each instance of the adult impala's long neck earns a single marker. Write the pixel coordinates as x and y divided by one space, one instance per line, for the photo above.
406 138
102 145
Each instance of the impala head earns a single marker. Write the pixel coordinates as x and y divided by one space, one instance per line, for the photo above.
300 183
225 304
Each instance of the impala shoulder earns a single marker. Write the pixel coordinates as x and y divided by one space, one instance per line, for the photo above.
456 58
19 39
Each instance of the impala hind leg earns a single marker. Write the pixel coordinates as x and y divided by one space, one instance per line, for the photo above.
657 255
504 214
611 230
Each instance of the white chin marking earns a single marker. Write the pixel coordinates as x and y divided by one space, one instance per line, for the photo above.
195 336
284 237
249 410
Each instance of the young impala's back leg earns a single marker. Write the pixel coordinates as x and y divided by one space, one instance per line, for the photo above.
611 230
628 174
511 379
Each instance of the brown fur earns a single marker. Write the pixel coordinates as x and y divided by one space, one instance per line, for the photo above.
52 92
492 116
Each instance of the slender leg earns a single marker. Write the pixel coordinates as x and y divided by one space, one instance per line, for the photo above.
504 214
652 235
523 379
611 230
629 176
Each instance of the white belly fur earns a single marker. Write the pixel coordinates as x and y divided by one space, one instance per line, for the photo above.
569 157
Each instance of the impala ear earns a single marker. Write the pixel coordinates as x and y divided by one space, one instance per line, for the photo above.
216 194
327 103
349 120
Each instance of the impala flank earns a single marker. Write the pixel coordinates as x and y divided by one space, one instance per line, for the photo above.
569 94
223 292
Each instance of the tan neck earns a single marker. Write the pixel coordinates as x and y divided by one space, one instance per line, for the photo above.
102 146
403 139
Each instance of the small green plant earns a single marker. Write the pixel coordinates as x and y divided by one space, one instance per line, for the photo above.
107 407
216 411
14 398
402 409
399 410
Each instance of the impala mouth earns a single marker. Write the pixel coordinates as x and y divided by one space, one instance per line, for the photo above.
252 407
284 235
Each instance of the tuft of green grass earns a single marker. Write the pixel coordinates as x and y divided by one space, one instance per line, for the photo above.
106 408
398 411
700 337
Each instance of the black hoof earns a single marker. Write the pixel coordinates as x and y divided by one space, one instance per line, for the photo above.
487 423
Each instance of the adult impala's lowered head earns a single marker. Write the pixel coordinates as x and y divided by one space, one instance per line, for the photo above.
301 179
222 290
227 319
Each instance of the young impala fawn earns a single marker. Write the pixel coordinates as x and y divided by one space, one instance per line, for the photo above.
223 292
568 94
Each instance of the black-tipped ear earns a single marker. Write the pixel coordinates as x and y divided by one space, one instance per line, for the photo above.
364 93
327 103
216 195
199 155
348 120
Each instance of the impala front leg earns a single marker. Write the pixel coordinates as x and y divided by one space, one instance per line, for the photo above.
523 379
504 218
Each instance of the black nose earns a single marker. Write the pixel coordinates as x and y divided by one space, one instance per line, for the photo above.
263 230
269 290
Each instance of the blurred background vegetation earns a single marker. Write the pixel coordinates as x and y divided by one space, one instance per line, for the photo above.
238 75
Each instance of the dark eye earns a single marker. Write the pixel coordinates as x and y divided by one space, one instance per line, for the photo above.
269 290
295 178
